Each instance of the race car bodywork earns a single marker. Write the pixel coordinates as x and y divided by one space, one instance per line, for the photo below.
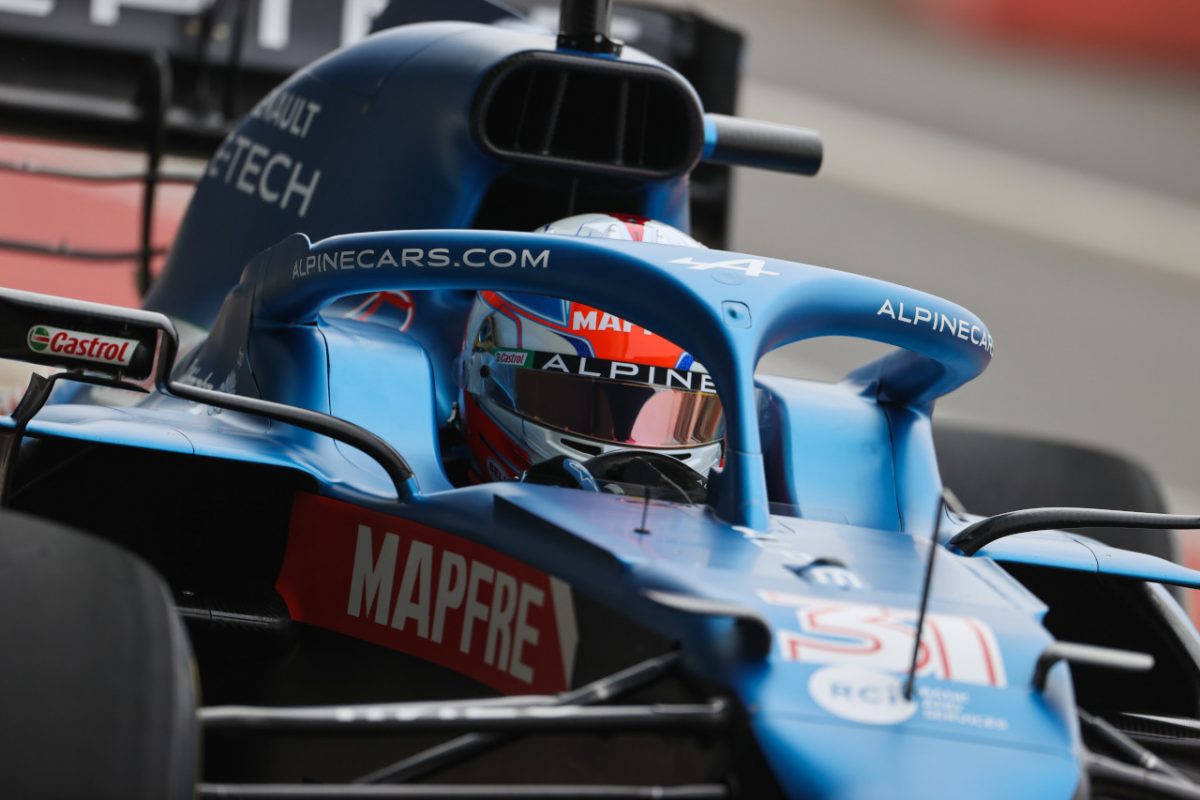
288 477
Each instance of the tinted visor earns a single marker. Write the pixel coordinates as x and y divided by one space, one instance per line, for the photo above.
622 412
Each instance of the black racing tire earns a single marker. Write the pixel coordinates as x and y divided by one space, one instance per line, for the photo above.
97 687
991 473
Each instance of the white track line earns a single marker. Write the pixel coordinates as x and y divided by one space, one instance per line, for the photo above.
895 159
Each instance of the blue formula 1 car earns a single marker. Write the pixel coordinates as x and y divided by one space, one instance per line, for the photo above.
811 618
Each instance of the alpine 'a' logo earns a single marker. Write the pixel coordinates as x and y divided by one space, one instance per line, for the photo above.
39 338
84 346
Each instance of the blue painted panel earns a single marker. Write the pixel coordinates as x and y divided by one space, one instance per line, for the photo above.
383 381
871 763
1062 550
1128 564
289 365
918 482
829 452
395 105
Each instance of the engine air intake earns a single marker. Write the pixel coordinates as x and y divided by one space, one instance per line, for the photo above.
589 114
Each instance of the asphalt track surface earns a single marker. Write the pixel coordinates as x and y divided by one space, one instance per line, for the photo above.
1058 198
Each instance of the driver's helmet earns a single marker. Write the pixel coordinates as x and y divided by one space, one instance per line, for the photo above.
544 377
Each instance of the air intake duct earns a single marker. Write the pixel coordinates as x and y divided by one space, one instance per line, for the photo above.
595 115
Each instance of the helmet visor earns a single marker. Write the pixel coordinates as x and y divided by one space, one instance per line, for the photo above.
575 395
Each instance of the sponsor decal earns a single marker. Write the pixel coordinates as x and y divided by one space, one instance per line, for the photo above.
290 112
48 340
861 695
828 574
428 593
872 697
594 320
939 322
688 380
271 176
433 257
953 648
511 358
396 307
39 338
951 706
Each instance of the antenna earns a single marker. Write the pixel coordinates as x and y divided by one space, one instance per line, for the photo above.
933 548
645 512
585 25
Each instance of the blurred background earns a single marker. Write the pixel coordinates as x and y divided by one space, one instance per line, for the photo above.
1037 161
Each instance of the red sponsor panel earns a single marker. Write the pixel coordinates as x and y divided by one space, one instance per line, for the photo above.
428 593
